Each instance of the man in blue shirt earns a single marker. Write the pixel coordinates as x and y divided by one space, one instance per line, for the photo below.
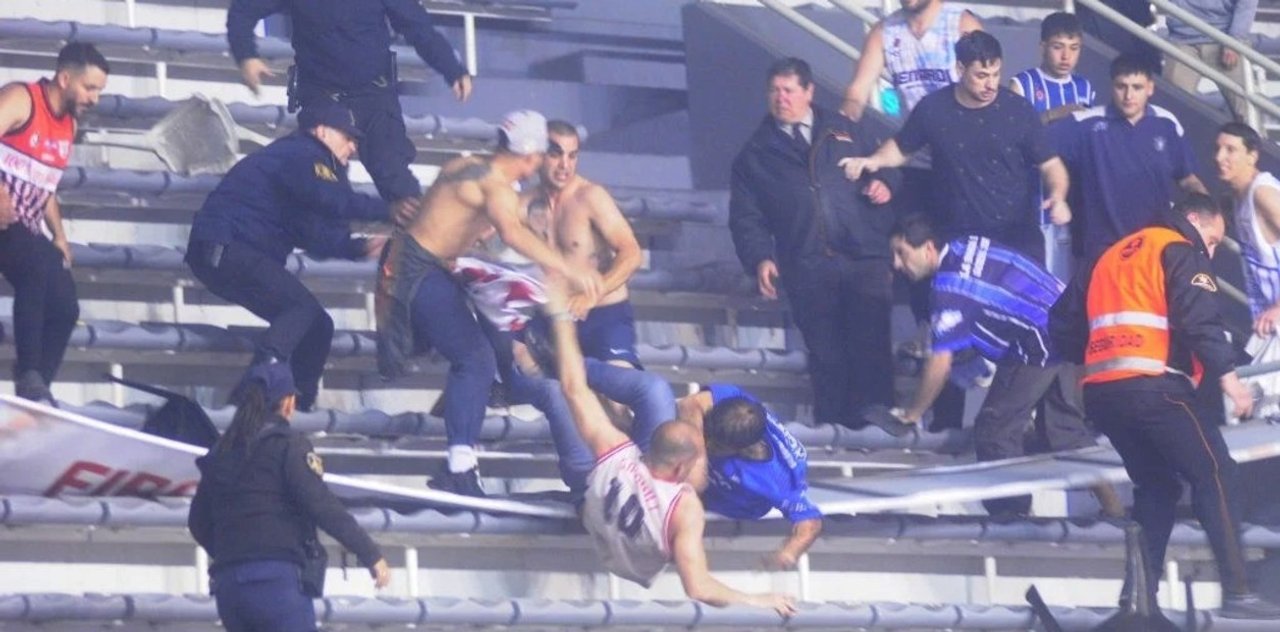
995 301
753 465
342 49
1127 160
293 193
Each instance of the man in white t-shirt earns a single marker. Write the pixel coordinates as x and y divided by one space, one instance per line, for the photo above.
639 509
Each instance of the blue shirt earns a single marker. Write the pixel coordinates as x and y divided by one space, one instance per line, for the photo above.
744 489
994 300
1045 93
1123 174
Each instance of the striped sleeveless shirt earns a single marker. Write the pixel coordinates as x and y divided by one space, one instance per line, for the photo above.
1261 257
919 66
33 157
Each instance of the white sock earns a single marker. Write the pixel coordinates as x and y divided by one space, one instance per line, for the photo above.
462 458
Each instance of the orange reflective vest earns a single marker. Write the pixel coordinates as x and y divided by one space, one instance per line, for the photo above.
1128 311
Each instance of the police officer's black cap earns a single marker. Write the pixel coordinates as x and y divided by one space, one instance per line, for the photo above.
333 115
274 378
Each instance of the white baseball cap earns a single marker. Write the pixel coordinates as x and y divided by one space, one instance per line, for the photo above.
526 132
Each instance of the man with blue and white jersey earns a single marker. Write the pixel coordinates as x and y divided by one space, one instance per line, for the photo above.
753 466
1056 91
995 301
1256 194
1127 159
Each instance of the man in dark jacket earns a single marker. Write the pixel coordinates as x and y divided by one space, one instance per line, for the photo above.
294 193
1143 320
794 215
342 49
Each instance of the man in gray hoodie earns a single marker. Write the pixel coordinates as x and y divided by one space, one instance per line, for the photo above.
1233 17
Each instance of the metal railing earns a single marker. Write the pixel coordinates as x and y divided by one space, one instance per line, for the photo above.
1258 101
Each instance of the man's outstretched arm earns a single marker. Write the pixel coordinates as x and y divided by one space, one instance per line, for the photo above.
691 563
588 415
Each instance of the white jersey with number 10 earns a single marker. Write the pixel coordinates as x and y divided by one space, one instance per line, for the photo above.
628 514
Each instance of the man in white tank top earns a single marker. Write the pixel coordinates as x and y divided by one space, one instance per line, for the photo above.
1257 214
916 44
639 508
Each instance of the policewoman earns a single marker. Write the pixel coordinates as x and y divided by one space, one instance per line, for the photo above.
256 510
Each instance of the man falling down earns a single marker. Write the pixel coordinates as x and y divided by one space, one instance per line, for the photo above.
639 510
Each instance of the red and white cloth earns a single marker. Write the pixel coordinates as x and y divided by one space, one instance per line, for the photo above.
505 294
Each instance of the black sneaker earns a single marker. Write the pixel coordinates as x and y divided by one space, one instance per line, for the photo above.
30 386
1248 606
462 483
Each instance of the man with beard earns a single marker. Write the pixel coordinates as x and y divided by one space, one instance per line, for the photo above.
986 141
38 120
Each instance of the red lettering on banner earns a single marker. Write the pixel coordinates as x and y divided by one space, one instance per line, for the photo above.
71 479
112 481
106 481
145 485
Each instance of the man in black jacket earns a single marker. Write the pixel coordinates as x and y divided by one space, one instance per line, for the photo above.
1143 320
795 216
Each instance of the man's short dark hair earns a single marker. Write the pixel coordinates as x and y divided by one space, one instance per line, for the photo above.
77 56
561 127
978 46
1246 134
792 67
1060 23
1201 204
916 229
735 423
1131 64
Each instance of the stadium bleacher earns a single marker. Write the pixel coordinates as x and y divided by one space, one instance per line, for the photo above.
618 68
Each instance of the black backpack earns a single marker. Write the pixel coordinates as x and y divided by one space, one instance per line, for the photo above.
179 419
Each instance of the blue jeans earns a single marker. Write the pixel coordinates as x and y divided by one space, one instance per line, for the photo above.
647 395
442 320
264 596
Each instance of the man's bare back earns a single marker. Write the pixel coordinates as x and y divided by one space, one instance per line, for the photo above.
568 220
453 213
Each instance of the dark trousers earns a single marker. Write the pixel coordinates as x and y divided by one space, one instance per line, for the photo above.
263 596
45 307
842 309
300 331
442 320
1016 390
1163 439
386 150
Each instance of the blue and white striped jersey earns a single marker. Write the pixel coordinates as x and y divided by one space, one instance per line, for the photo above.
992 299
1046 93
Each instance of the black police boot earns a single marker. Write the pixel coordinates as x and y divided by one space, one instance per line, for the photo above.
462 483
30 386
1248 606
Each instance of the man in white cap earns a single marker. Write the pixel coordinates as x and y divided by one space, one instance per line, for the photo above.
422 305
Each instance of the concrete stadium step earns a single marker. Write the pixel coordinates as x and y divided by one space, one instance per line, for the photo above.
509 429
159 609
103 186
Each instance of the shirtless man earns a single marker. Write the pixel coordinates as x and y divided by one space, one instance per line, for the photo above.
639 509
580 219
421 304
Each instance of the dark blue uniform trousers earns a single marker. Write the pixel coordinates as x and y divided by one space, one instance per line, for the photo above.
300 331
1163 440
263 596
386 150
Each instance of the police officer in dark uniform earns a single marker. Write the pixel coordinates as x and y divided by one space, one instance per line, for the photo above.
342 49
294 193
260 499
